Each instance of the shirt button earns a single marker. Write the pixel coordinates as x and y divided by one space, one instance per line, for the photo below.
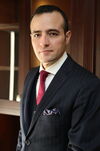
34 112
27 142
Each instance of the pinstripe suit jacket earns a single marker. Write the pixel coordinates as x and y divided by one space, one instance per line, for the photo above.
67 119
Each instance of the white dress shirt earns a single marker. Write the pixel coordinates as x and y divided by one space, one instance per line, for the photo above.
53 69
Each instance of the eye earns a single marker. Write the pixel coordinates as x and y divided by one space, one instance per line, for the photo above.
53 34
35 35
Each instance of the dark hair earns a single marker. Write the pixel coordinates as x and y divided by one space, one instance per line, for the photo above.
51 8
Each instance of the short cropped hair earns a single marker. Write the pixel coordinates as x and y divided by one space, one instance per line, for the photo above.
51 8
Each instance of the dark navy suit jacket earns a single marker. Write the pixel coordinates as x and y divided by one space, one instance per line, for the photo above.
67 119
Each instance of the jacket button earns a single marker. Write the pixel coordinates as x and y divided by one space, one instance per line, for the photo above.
27 142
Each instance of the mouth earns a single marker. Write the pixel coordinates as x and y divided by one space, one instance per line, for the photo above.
46 51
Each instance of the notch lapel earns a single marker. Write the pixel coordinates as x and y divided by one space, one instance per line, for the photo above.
30 80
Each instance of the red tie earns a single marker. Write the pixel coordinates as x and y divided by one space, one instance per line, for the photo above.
41 91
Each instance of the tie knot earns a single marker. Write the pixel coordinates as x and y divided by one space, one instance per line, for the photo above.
43 75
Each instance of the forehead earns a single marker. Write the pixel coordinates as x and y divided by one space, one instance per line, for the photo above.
47 21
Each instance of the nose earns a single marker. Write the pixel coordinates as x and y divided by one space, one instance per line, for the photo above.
44 41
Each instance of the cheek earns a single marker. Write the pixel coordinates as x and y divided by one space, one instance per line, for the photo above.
59 44
33 44
35 47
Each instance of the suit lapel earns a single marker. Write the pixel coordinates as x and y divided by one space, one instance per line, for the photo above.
30 81
57 82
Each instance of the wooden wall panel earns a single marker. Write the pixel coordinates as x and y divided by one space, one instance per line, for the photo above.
4 84
9 11
97 40
89 35
4 48
24 42
77 29
9 126
64 4
83 24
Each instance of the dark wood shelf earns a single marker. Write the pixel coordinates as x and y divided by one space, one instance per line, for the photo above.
7 68
14 26
9 107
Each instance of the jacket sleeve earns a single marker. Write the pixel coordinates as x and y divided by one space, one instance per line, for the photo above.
19 144
84 134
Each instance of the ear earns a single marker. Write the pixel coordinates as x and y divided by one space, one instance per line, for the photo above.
68 36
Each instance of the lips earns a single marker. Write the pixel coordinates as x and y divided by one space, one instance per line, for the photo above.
46 51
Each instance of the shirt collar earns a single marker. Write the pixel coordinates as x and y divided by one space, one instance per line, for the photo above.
56 66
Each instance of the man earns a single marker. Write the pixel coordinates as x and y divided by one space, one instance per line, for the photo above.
65 117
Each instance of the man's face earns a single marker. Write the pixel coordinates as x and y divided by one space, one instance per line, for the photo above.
48 37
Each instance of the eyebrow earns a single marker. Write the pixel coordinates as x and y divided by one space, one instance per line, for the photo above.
55 30
49 30
37 31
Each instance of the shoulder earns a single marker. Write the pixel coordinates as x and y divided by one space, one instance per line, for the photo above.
79 74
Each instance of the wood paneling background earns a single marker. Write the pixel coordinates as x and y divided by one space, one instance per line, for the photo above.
97 39
9 11
24 42
9 125
8 132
